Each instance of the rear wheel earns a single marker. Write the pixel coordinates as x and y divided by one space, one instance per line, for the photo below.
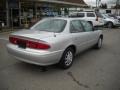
110 25
67 58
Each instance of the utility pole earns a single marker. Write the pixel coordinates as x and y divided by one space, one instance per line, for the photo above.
117 7
96 3
99 3
11 12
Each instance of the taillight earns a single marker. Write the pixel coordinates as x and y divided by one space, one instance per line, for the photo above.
13 40
29 43
37 45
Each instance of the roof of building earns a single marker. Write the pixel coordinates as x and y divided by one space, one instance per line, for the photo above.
75 1
80 3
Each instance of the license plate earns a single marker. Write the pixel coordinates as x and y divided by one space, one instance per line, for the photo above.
21 44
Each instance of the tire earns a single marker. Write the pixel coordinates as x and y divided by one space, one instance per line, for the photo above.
67 58
99 43
110 25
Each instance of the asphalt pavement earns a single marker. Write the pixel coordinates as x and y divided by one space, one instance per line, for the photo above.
91 70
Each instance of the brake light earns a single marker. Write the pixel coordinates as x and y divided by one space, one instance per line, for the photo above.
37 45
13 40
29 43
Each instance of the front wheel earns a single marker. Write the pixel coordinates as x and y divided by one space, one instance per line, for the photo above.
99 43
110 25
67 58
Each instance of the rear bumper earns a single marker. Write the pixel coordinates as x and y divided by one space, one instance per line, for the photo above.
35 57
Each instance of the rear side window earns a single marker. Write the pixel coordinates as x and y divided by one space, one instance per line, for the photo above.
87 26
90 15
76 26
73 15
81 14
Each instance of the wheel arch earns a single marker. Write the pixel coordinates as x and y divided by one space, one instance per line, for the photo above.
109 22
101 36
72 46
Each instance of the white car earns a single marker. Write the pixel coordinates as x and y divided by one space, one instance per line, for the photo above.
54 40
118 17
110 21
94 18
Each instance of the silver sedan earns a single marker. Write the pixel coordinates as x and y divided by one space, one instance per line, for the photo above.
54 41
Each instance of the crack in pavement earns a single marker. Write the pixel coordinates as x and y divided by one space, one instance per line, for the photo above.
76 81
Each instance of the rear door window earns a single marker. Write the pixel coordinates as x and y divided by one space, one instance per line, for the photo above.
87 26
76 26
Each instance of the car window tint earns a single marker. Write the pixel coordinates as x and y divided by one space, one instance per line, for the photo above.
73 15
51 25
81 14
76 26
90 15
87 26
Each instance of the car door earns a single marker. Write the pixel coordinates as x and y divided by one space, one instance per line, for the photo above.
92 34
79 36
91 17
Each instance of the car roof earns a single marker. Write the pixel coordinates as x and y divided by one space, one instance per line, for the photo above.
84 12
66 18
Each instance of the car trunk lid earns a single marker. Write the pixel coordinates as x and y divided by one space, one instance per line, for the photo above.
31 39
34 34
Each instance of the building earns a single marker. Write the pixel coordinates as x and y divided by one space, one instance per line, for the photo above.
22 12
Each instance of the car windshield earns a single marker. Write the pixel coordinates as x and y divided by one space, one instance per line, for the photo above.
51 25
111 15
106 16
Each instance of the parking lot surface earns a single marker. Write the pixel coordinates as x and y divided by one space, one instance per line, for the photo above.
91 70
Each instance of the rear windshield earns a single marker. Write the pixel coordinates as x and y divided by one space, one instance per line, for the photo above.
51 25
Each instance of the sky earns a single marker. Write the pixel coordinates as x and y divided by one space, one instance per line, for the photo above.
93 2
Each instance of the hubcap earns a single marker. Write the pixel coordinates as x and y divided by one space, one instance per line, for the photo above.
100 43
68 58
109 25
